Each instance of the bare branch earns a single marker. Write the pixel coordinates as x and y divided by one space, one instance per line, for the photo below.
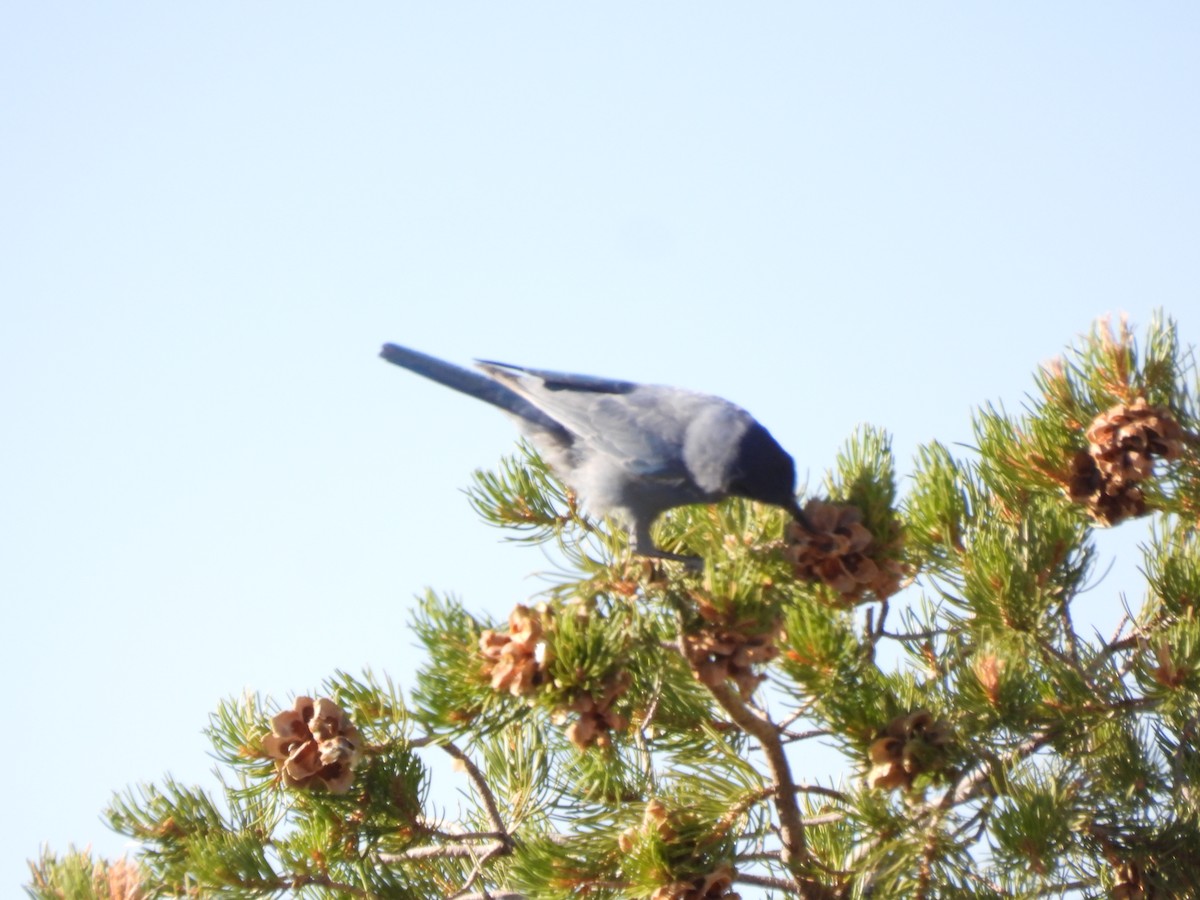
766 881
794 853
824 819
823 791
453 851
758 725
799 712
481 785
495 850
792 737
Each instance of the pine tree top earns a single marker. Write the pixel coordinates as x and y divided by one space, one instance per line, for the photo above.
643 730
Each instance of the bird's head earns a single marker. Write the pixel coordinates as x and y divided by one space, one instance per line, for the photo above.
763 471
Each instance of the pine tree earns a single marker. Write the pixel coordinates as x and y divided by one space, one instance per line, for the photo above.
638 729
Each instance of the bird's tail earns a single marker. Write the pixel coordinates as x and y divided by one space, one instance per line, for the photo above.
473 384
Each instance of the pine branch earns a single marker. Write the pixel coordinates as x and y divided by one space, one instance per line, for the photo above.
794 853
481 785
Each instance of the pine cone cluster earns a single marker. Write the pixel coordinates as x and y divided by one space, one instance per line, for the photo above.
516 661
1123 443
314 742
717 652
596 717
717 885
841 552
654 818
907 747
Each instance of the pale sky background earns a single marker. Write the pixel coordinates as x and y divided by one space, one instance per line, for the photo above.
213 214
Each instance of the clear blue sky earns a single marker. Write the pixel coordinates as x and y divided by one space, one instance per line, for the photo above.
212 214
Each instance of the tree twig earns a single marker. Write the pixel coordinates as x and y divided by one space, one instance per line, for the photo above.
766 881
1111 649
437 851
823 791
802 710
495 850
971 785
791 737
481 785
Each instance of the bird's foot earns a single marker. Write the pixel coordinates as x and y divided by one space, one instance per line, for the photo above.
691 563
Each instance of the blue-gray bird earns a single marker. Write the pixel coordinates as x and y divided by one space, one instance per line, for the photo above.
635 450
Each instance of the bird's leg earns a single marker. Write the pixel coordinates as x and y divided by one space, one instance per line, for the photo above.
643 545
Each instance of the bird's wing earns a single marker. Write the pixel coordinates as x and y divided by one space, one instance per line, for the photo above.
474 385
556 381
639 427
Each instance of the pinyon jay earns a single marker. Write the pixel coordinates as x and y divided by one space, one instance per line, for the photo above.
636 450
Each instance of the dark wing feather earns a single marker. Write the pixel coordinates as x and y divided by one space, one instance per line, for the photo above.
474 385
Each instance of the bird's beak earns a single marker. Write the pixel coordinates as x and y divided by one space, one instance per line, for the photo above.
799 516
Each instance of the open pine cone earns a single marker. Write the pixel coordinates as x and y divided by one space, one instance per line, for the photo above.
516 661
1123 444
716 653
907 747
596 716
1106 501
1126 439
714 886
841 552
314 742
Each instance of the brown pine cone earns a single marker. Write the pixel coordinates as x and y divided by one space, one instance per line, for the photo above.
839 551
312 742
515 661
717 653
904 749
1126 439
1106 500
